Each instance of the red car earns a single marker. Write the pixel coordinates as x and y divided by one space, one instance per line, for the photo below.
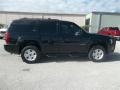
110 31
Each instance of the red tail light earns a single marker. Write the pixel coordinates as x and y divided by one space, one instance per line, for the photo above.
7 37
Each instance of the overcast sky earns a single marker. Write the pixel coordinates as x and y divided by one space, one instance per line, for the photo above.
60 6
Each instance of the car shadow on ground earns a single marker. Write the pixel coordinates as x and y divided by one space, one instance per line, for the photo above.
113 57
82 58
65 58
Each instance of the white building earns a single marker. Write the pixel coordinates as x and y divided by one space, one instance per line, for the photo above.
98 20
95 20
8 17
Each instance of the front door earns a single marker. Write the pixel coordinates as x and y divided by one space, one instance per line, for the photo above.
72 39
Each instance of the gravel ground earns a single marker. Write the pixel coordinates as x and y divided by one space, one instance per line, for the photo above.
59 73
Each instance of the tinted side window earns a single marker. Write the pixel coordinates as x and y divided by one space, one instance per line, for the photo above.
64 28
69 28
21 27
47 27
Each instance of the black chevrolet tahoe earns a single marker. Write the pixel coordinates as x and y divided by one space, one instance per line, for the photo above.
33 38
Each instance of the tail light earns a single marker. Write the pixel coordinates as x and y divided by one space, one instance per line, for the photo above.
7 37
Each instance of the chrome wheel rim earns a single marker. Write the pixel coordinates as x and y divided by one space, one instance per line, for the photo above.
30 55
98 54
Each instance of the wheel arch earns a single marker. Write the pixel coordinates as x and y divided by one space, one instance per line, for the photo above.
98 44
29 43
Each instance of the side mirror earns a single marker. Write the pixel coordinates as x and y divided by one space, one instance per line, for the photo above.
77 33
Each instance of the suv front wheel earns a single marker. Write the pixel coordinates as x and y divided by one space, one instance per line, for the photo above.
30 54
96 54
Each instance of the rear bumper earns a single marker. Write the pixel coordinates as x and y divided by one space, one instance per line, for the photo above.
12 48
111 49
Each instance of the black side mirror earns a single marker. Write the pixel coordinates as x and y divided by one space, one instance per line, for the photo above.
77 33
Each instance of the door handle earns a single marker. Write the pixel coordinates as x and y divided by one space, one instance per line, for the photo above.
67 41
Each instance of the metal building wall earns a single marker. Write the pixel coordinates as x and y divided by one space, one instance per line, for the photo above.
98 20
8 17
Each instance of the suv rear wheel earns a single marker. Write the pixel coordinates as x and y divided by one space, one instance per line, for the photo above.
96 53
30 54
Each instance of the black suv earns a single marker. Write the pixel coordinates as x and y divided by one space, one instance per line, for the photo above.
33 38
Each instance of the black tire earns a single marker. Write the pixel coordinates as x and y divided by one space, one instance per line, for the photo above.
34 55
99 57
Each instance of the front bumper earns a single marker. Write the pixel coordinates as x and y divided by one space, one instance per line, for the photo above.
111 49
111 46
12 48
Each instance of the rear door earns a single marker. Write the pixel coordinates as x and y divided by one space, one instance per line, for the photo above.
48 36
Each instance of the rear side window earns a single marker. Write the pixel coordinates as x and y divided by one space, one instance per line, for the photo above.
47 27
21 27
